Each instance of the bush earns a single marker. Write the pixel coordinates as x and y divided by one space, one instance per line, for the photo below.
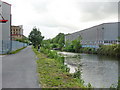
88 50
52 54
111 50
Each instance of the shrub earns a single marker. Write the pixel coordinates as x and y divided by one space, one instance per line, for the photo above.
111 50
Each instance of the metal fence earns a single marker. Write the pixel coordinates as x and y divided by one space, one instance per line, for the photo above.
7 46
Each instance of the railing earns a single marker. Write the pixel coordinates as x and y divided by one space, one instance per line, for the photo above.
7 46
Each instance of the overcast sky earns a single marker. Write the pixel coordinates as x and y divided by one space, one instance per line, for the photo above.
66 16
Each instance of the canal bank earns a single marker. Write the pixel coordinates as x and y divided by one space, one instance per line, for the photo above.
106 50
99 71
53 73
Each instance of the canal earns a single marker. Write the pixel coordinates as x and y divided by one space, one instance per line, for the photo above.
99 71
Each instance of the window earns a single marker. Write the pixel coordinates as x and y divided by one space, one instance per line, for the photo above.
105 41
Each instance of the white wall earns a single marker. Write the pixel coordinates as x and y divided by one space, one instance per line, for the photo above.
0 23
6 11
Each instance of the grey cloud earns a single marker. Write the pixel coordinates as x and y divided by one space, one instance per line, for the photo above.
40 6
93 11
53 24
62 15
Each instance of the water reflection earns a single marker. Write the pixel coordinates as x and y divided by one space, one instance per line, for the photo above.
100 71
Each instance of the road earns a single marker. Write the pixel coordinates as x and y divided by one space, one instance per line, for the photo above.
19 70
0 72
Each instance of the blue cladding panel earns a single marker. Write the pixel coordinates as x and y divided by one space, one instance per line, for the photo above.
6 46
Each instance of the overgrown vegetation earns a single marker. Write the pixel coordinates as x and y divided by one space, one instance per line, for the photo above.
24 40
88 50
57 43
115 87
118 86
53 73
109 50
73 46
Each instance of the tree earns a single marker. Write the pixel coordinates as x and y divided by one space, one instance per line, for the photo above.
35 37
60 40
73 46
24 40
76 45
46 44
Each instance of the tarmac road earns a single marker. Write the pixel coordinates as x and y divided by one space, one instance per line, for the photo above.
19 70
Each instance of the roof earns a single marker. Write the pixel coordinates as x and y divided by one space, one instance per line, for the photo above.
92 27
6 3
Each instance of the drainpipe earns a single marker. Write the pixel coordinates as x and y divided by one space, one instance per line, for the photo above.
10 34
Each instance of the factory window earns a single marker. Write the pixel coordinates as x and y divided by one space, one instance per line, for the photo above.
105 41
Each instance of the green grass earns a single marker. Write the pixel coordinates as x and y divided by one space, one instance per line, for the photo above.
16 51
52 74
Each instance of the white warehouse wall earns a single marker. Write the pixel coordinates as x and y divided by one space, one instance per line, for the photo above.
111 31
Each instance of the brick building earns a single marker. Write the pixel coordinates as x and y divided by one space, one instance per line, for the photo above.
17 32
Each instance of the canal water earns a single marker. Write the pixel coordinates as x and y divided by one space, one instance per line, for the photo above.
99 71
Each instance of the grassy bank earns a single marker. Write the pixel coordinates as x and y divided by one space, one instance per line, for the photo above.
16 51
54 74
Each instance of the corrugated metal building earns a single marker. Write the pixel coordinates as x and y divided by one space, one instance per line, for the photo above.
103 34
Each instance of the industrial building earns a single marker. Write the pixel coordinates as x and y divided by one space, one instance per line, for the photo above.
6 43
5 25
17 32
103 34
